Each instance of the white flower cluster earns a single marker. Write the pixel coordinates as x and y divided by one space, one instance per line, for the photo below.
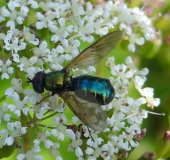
43 36
124 124
66 22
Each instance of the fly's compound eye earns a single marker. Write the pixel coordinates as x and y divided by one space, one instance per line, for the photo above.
37 82
38 86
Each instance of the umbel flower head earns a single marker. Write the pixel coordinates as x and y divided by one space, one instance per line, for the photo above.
45 36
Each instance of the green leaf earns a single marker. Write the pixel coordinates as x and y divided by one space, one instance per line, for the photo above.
163 148
6 151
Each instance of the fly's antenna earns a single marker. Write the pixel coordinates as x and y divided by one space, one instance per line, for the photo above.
29 80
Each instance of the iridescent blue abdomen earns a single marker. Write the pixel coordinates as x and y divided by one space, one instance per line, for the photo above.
85 86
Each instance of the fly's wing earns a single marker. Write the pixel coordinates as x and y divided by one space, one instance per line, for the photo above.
91 114
96 52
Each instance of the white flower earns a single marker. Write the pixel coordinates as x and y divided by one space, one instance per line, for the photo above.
26 64
53 38
4 135
78 152
84 31
16 129
31 154
18 107
28 36
12 92
58 134
42 137
61 119
71 47
129 142
116 121
133 39
148 93
61 32
6 69
110 62
55 152
13 43
31 96
71 134
5 117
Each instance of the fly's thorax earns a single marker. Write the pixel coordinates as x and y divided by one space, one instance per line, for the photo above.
67 79
57 81
93 89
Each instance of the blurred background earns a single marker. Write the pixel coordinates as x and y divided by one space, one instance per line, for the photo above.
155 56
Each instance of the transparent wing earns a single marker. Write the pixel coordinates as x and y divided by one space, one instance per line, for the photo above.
96 52
91 114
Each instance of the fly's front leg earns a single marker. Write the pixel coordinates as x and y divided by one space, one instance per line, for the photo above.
52 94
43 99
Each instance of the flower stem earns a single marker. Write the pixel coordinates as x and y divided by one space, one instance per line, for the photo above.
26 141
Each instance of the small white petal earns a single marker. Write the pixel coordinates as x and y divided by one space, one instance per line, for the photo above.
5 12
75 119
78 152
60 49
9 140
12 107
1 62
5 75
19 20
140 41
89 151
15 96
59 158
105 147
144 71
11 24
21 157
43 45
33 60
48 144
156 102
61 21
129 60
36 149
33 4
70 134
23 130
39 16
38 157
134 144
7 117
36 142
10 70
131 47
15 57
40 25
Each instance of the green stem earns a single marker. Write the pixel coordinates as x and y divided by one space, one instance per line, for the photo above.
45 126
49 116
26 142
2 98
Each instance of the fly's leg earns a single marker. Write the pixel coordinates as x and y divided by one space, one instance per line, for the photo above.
43 99
53 93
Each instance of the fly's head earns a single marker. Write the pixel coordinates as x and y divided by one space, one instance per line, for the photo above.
38 82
